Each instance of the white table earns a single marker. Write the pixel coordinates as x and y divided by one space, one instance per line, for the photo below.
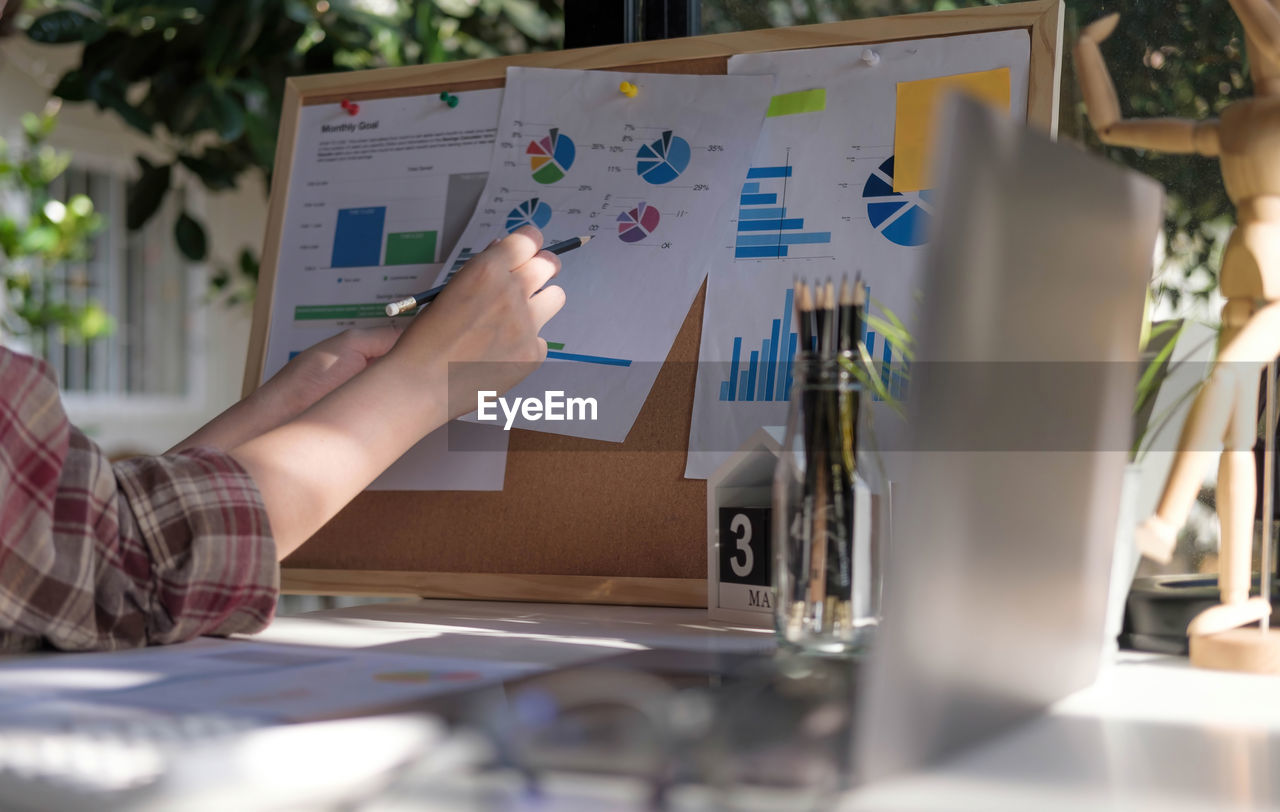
1152 733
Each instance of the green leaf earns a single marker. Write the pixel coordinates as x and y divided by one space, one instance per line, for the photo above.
45 167
189 235
299 11
248 264
261 134
109 92
10 235
38 239
92 322
228 118
147 194
72 87
184 116
37 127
59 27
214 169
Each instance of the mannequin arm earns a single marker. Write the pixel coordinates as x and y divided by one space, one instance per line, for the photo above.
1261 22
1103 107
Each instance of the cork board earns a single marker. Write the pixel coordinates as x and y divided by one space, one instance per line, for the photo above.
621 523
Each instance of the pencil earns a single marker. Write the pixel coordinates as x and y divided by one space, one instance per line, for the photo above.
804 316
411 303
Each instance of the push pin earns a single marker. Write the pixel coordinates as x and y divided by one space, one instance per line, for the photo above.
870 57
449 99
351 107
629 90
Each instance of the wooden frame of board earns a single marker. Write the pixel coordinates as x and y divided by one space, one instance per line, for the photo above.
579 520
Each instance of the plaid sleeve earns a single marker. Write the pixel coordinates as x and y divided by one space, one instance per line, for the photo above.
197 518
152 550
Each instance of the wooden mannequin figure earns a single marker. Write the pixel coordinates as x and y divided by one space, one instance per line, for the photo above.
1246 141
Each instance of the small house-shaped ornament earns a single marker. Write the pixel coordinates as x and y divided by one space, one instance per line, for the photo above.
740 555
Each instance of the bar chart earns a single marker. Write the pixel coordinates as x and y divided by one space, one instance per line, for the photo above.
764 374
358 241
765 230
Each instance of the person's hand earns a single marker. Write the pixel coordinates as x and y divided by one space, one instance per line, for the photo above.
323 367
482 331
309 376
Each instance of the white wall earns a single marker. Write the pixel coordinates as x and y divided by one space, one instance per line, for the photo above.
232 219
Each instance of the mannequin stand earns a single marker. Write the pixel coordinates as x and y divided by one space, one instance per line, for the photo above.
1255 651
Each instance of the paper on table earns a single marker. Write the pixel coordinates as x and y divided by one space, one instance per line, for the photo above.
918 103
647 177
818 202
260 680
376 201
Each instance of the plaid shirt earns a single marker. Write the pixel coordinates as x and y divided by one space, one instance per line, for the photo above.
95 556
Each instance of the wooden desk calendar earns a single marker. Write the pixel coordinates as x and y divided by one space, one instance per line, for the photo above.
621 523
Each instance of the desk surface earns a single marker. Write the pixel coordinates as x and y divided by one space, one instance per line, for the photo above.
1152 733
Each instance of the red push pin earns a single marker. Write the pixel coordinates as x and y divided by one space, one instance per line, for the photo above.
351 107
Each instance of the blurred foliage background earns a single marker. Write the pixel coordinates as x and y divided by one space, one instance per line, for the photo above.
39 235
204 79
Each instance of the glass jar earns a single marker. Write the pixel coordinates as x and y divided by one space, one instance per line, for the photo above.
829 514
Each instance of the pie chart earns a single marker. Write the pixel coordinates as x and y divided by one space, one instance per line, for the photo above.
550 157
640 222
663 160
901 217
532 212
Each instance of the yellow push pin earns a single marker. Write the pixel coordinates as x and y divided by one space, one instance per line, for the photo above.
629 90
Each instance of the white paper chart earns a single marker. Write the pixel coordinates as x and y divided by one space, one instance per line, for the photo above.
817 202
647 177
377 200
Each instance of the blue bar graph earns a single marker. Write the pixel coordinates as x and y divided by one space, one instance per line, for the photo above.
763 213
760 252
784 391
785 239
764 229
767 377
768 172
357 240
588 359
770 225
892 372
733 370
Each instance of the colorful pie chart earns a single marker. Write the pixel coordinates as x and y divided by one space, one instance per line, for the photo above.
551 157
663 160
532 212
640 222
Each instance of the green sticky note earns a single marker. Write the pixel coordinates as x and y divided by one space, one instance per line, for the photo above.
802 101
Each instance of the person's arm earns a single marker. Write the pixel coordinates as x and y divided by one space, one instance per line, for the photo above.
481 333
162 549
314 373
96 556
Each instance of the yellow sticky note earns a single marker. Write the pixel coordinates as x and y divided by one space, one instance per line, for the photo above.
917 108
